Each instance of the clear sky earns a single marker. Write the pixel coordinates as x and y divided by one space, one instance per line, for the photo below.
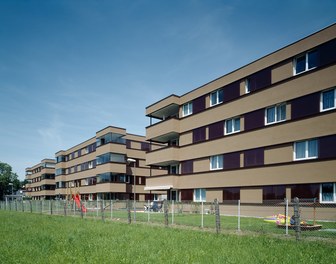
69 68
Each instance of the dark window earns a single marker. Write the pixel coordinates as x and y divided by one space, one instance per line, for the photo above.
254 119
232 160
305 106
327 52
232 193
199 134
198 104
254 157
232 91
274 192
260 79
327 147
306 191
187 195
145 146
128 143
216 130
187 166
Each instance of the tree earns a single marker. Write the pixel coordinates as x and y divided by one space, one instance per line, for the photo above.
6 177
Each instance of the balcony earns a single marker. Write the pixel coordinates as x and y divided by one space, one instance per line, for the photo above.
163 156
164 131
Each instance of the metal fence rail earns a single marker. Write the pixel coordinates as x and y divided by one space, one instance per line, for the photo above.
296 218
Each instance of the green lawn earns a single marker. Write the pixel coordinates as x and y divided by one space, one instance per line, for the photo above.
35 238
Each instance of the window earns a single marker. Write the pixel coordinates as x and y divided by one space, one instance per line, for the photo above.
305 149
199 195
274 114
174 169
247 86
305 62
328 100
216 162
232 125
187 109
328 193
216 97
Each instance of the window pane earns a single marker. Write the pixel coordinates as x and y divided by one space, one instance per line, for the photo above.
229 126
327 192
312 148
213 98
220 96
237 124
300 148
300 64
270 115
312 59
328 99
220 162
281 112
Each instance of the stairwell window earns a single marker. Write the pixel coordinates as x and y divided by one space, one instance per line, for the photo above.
216 97
306 149
216 162
187 109
328 100
305 62
275 114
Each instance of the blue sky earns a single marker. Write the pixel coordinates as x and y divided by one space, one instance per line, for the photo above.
69 68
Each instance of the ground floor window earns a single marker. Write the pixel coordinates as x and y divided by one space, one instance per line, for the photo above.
199 195
328 193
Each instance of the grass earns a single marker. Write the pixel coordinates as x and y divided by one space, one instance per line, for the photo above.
35 238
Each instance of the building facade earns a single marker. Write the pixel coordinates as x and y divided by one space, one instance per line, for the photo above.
41 180
265 131
105 167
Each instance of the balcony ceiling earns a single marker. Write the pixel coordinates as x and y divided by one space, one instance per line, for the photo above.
170 110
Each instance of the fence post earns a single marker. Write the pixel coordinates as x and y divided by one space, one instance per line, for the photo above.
173 209
165 208
111 211
22 205
31 206
297 218
65 207
239 215
202 215
41 206
81 208
286 215
102 210
129 220
217 216
148 211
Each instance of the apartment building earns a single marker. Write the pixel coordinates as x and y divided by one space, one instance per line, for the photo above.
105 166
265 131
41 180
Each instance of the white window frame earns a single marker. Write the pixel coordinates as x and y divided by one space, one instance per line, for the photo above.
306 157
334 193
187 109
217 97
306 62
321 100
232 126
217 159
202 195
176 166
247 86
276 114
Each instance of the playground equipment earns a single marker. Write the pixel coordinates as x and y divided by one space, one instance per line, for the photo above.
76 197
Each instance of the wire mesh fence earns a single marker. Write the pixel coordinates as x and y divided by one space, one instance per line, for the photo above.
298 218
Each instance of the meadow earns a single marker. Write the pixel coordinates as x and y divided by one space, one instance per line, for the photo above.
36 238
